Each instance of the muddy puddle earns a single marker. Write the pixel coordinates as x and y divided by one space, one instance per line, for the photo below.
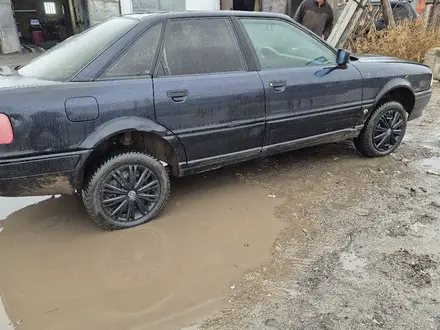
59 271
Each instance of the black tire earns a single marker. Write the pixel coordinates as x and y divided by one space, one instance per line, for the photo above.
381 122
119 180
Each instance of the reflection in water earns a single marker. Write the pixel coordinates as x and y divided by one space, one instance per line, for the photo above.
9 205
5 324
166 274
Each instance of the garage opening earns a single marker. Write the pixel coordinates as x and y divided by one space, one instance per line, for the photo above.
45 23
246 5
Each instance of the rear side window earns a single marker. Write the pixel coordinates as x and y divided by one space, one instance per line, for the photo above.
200 46
72 55
138 60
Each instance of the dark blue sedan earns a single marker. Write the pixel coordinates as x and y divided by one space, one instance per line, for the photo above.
111 112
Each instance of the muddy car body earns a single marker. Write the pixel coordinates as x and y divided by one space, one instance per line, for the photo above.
197 91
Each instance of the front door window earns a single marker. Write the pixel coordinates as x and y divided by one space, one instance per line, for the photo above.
281 45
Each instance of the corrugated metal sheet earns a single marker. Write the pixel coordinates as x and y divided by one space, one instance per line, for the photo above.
140 6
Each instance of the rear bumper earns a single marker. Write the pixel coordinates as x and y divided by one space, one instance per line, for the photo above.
421 101
40 175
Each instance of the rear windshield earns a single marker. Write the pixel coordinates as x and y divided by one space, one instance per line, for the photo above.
68 58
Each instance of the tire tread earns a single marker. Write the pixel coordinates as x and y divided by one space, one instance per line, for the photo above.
363 142
87 200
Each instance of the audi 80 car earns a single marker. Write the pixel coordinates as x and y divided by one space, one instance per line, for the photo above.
113 112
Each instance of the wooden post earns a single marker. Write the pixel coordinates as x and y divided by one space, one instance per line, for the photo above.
347 22
434 13
387 12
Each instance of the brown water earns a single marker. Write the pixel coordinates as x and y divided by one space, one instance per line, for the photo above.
59 271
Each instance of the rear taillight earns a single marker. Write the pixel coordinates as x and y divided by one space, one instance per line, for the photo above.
6 133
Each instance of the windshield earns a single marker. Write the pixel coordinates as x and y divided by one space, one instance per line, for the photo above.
72 55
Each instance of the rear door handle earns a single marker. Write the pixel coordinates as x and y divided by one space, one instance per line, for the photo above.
278 85
178 95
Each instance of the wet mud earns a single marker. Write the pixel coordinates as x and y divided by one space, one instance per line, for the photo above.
59 271
320 238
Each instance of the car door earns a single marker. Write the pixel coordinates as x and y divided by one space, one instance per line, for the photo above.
206 95
307 95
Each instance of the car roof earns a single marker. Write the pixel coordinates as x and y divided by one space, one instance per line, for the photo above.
201 13
377 2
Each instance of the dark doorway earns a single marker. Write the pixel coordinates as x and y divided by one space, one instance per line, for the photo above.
245 5
43 22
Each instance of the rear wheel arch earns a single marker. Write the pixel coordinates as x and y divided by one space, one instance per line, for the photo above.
128 140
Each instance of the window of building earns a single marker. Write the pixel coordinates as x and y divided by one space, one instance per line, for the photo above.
50 8
200 46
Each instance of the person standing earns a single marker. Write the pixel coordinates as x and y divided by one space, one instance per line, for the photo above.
317 16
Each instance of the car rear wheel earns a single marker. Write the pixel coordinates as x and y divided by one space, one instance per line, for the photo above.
384 130
128 190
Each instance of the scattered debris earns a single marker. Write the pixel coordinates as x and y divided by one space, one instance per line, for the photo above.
433 173
52 310
378 322
435 204
362 212
398 230
411 268
426 218
423 189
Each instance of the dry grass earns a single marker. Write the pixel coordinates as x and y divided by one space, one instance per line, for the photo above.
408 40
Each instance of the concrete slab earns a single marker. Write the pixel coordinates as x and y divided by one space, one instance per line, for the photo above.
432 59
13 60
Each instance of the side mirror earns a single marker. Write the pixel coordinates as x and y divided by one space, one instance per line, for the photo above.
343 57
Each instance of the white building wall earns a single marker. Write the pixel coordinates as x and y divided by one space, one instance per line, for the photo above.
202 4
100 10
130 6
10 43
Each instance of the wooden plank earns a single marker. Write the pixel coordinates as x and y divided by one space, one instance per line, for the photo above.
433 20
343 22
348 22
387 12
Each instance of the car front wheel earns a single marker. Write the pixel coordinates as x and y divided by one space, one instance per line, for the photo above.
128 190
383 131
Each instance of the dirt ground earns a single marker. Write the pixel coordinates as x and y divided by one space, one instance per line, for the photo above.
320 238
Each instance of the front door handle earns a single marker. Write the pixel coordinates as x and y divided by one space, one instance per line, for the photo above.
278 85
178 95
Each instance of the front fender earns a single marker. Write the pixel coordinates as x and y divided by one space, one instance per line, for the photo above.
393 84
